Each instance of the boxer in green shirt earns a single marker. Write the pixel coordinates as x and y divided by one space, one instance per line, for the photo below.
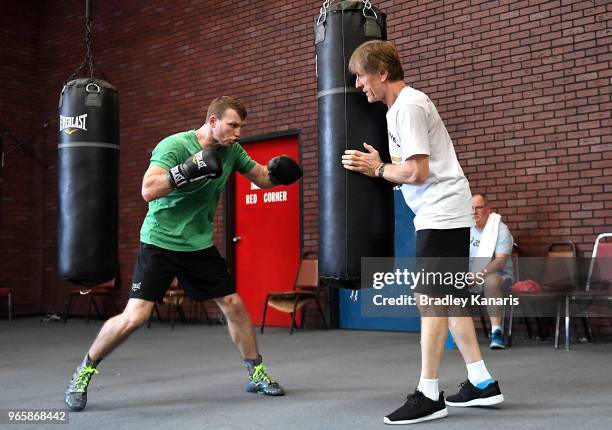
187 174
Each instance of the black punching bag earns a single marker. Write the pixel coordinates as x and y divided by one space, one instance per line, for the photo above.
356 212
88 161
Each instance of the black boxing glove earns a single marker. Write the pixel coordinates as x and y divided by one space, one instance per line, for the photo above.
203 164
283 170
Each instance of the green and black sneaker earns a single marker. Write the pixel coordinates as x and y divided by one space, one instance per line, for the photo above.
76 393
259 381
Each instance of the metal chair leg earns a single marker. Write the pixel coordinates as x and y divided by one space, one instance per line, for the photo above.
587 328
321 313
557 322
528 326
67 315
295 302
484 324
510 325
89 307
540 330
263 316
567 323
208 321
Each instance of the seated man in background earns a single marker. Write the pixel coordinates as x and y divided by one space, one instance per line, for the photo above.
490 250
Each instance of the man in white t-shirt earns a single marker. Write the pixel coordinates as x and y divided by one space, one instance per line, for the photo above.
434 187
497 268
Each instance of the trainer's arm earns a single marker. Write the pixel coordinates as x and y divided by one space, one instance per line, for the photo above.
155 183
414 170
260 176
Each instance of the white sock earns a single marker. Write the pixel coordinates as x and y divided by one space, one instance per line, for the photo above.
478 373
429 387
495 328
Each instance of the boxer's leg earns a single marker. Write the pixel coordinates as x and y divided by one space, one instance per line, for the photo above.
153 272
114 332
243 335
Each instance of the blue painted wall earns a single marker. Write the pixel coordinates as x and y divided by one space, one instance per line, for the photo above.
350 311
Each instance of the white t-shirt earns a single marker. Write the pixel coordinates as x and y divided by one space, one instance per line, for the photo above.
504 245
444 200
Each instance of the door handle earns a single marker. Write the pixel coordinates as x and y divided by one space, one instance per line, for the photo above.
236 239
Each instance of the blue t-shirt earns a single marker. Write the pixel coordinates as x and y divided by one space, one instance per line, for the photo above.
503 246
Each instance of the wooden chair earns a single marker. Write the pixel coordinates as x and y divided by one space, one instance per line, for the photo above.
174 298
102 290
306 288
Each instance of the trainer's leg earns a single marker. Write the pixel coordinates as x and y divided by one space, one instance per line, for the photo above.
117 329
480 389
242 333
239 325
434 331
464 335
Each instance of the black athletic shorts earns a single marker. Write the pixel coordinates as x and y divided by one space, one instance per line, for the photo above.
202 274
444 255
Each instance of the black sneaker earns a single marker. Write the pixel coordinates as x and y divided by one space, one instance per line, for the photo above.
260 382
469 395
418 408
76 393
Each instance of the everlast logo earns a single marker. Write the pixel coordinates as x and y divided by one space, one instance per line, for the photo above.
70 124
179 179
199 161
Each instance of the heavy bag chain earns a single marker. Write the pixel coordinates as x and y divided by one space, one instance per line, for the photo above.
367 8
88 63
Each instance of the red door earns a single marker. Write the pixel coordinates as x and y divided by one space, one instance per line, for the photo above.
267 236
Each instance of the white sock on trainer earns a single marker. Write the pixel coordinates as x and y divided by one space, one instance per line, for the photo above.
477 373
429 387
494 328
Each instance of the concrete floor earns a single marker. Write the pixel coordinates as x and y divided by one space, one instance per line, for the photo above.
192 378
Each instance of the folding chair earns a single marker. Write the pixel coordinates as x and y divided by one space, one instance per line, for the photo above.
102 290
306 288
598 286
559 276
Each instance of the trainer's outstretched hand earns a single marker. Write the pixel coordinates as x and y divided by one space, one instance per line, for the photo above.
362 162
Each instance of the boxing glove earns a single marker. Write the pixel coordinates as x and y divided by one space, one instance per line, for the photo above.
203 164
283 170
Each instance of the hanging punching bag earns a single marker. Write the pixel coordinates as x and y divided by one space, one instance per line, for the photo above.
356 212
88 161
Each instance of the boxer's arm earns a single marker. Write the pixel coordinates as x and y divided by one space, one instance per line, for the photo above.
260 176
155 183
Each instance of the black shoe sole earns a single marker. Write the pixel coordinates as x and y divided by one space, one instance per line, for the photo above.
487 401
439 414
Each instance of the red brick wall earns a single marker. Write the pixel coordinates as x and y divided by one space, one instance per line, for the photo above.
524 89
21 179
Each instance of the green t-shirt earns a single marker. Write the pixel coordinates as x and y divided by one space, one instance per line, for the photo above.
182 220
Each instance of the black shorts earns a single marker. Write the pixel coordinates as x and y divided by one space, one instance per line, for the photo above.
444 254
202 274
